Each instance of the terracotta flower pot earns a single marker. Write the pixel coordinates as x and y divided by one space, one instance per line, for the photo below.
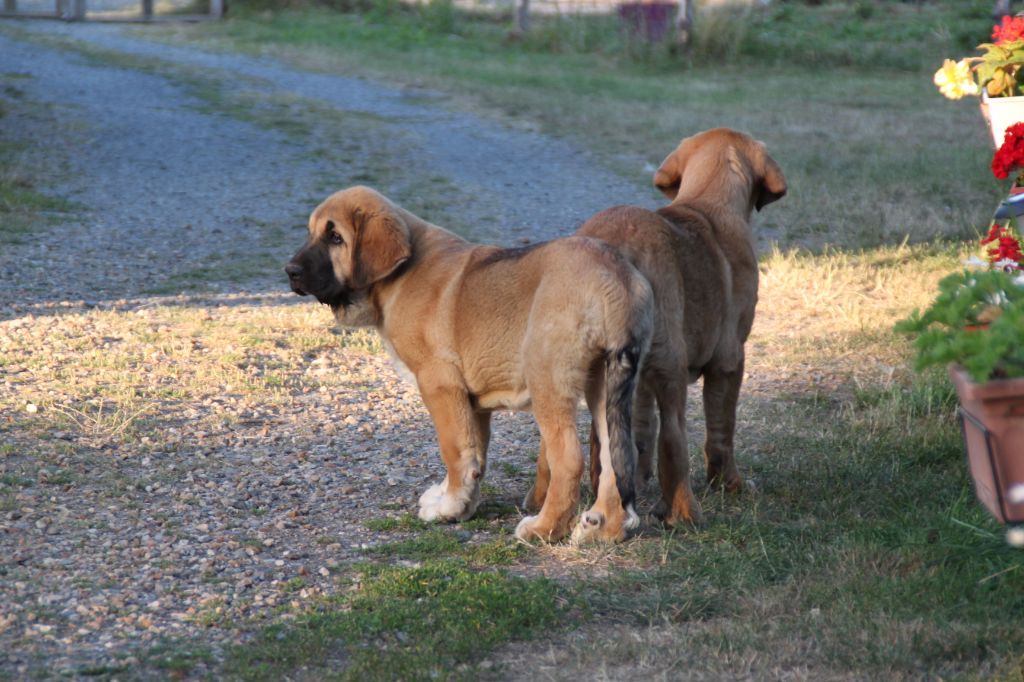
992 415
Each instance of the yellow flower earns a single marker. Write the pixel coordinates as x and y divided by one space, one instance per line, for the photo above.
954 79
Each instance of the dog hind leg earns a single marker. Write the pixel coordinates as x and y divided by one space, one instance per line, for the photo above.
610 398
721 393
645 433
677 505
557 421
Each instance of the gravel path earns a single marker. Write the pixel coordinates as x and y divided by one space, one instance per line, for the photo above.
226 506
164 181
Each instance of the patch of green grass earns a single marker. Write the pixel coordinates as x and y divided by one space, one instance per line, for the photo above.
391 523
57 477
176 659
292 585
502 551
430 544
403 623
438 542
23 171
99 671
890 35
16 481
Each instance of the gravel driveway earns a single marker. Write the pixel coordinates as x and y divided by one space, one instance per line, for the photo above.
163 180
190 189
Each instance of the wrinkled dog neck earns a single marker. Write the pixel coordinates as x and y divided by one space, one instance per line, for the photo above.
360 312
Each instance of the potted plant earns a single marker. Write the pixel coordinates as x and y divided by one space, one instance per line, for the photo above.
975 326
996 75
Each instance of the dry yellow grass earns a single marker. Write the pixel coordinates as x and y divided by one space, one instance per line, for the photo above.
829 318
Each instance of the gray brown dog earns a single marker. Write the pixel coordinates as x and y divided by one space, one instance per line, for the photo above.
698 254
481 329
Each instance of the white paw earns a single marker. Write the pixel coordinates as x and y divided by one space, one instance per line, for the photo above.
632 520
587 527
430 502
524 530
437 505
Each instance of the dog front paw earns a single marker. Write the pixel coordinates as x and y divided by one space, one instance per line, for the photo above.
436 504
533 528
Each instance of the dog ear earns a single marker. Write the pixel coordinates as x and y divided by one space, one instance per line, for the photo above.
383 245
669 175
771 185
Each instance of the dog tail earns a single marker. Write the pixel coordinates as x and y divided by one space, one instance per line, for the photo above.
622 369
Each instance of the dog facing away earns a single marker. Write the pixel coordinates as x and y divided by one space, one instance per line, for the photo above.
698 255
482 328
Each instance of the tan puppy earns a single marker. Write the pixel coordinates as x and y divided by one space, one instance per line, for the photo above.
698 254
482 328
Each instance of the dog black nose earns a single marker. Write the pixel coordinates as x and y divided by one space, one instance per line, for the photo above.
294 270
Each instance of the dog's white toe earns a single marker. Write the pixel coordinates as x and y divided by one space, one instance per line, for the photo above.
437 505
587 527
430 502
524 529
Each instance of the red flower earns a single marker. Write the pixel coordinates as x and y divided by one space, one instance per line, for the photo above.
1010 30
1006 245
1010 155
993 233
1008 249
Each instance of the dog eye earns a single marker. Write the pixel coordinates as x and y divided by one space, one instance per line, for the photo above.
333 236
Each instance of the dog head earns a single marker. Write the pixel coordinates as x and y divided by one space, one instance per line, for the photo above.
699 164
356 239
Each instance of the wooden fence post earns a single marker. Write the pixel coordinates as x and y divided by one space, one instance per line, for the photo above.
71 10
10 6
1001 9
216 8
147 10
523 15
684 22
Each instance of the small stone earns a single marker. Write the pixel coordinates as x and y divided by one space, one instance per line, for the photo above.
31 408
